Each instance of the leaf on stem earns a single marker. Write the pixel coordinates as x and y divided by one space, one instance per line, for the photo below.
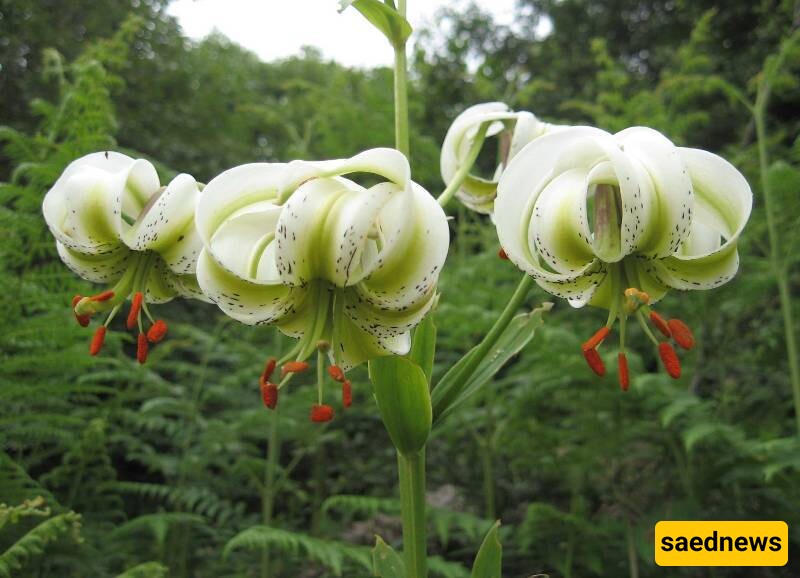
404 400
386 563
488 561
383 17
454 388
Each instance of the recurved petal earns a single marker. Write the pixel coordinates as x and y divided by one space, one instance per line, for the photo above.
414 238
232 191
166 225
86 206
105 267
388 163
461 134
723 201
559 229
671 218
246 301
519 189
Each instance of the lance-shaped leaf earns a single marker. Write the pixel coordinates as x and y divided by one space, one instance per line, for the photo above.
454 388
386 563
383 17
423 346
401 390
488 562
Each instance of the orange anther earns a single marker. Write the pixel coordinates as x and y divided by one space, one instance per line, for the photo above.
624 376
269 368
293 367
136 308
597 338
321 413
336 373
595 361
347 394
97 340
104 296
660 324
502 254
269 395
670 359
681 333
141 348
157 331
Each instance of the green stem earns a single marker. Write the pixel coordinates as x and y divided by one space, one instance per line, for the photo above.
411 468
463 171
633 560
441 403
401 91
784 294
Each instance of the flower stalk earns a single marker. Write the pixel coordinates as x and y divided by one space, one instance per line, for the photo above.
411 468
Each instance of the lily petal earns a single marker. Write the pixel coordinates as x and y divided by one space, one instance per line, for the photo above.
103 267
85 207
246 301
723 201
672 214
388 163
166 225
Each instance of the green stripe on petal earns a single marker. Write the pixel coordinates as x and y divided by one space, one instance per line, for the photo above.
247 302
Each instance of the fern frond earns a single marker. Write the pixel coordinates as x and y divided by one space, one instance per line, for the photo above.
34 542
329 553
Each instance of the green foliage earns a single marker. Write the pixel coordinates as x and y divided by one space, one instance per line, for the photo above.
33 542
488 561
327 552
404 400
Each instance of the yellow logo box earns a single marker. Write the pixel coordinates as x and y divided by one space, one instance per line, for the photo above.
680 543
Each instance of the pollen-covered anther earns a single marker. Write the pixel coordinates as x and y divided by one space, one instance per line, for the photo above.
347 393
596 339
634 298
595 361
681 333
157 331
622 367
321 413
269 368
294 367
336 373
502 254
142 348
269 394
104 296
97 340
83 320
136 308
660 324
670 359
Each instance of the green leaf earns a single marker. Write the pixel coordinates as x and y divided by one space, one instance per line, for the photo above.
404 400
488 562
449 392
423 347
386 563
383 17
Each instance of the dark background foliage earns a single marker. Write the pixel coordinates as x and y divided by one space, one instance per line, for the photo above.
175 469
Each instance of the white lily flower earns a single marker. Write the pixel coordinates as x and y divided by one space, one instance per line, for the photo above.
323 258
116 225
465 138
617 220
